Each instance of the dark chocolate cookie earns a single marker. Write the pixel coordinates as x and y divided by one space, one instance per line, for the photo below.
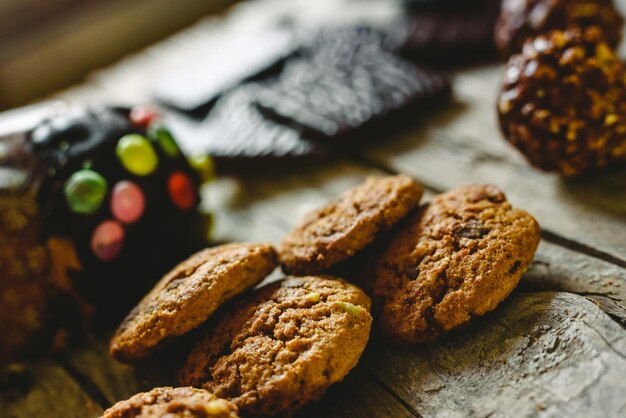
342 228
189 294
282 346
563 103
341 90
524 19
173 403
456 258
448 32
235 130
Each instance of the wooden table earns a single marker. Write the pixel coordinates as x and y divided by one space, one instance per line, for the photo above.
556 347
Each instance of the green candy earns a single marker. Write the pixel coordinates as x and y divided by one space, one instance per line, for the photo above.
166 141
84 191
137 155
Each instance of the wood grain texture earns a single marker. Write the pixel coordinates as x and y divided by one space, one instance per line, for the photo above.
557 268
49 391
539 355
359 395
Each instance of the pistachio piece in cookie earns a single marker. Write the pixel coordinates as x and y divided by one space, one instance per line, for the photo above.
283 345
342 228
456 258
189 294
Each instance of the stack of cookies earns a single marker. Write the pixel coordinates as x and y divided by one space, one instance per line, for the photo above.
430 269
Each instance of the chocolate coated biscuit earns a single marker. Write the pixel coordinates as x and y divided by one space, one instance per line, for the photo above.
563 103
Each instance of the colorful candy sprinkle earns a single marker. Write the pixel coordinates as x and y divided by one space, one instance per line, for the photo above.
142 116
107 240
137 154
127 202
84 191
203 164
164 138
181 189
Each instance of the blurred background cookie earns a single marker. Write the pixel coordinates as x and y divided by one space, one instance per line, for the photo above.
563 103
524 19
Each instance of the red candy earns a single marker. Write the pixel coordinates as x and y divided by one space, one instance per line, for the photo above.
142 116
127 202
107 240
181 190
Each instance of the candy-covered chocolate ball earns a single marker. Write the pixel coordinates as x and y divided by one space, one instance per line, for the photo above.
84 191
132 215
563 102
524 19
137 154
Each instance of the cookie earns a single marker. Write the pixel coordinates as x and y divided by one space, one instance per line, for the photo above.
342 228
189 294
456 258
173 403
563 103
521 20
282 346
448 32
236 131
342 92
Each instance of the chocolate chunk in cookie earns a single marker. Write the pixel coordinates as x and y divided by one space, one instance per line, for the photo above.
525 19
456 258
563 103
189 294
173 403
345 226
282 346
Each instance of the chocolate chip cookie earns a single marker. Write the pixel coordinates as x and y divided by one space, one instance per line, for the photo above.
173 403
283 346
340 229
189 294
456 258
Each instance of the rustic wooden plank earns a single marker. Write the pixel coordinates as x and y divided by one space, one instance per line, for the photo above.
359 395
116 381
538 355
50 393
557 268
463 145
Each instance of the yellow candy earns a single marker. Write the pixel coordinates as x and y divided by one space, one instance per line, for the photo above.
203 164
137 155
